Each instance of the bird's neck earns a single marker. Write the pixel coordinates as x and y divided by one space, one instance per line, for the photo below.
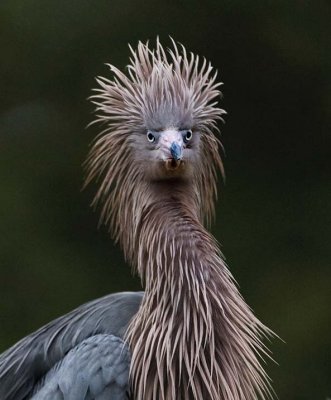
169 232
191 336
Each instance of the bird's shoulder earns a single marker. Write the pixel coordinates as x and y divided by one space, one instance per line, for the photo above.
28 362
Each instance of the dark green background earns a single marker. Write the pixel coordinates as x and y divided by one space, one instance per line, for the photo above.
273 217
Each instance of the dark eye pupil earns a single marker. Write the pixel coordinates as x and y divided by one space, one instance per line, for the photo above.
150 137
188 135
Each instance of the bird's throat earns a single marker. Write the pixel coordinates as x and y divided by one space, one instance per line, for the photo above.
171 263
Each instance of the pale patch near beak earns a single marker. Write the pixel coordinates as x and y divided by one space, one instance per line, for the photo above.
171 149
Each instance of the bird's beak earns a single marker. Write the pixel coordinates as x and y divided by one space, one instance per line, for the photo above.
176 151
171 147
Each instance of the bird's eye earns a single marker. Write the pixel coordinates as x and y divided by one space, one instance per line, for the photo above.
150 137
188 136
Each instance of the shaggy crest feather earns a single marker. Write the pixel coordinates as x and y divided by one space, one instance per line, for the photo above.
194 336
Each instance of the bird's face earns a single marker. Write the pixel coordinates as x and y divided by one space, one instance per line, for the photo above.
170 153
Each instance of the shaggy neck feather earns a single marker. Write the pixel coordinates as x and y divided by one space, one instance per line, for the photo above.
194 337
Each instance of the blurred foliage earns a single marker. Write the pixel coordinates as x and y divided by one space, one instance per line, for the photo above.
273 217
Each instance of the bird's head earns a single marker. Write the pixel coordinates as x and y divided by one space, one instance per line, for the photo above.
168 153
160 121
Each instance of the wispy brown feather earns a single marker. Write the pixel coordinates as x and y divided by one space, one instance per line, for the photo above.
194 337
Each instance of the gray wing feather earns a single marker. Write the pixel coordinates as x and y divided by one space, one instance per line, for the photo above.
24 364
95 369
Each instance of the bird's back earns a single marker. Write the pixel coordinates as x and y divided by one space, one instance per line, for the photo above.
82 349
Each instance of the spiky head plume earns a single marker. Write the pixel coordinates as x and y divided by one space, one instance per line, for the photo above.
162 89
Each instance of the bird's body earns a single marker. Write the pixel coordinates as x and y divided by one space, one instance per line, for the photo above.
34 366
191 335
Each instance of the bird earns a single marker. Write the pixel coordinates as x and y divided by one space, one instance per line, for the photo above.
190 334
